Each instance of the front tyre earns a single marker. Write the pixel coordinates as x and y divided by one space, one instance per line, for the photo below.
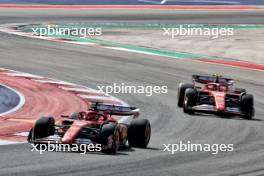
109 138
44 127
190 99
181 92
247 106
139 133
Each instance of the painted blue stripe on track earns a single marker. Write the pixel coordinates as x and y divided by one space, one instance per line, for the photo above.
9 99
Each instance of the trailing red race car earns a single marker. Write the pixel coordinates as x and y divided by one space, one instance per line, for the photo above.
98 125
215 95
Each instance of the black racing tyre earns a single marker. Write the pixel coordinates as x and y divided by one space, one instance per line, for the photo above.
181 92
109 138
190 99
247 106
139 133
29 137
44 127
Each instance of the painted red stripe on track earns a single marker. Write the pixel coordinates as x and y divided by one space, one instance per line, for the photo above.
175 7
240 64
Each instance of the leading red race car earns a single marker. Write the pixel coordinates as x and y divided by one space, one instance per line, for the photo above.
215 95
99 125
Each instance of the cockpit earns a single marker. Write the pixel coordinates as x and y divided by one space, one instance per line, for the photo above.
217 87
90 115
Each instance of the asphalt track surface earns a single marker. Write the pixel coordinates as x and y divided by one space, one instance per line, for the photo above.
93 66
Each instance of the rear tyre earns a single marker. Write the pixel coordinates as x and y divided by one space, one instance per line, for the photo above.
190 99
109 138
240 90
44 127
247 106
139 133
181 92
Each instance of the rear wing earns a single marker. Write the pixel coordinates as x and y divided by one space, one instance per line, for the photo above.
211 79
115 109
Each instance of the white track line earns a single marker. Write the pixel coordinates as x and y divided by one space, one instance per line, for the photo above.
24 134
58 82
5 142
99 98
28 75
82 90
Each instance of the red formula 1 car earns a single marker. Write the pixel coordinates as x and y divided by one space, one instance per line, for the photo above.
215 95
98 125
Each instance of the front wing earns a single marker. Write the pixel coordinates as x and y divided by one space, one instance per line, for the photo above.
56 139
210 109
